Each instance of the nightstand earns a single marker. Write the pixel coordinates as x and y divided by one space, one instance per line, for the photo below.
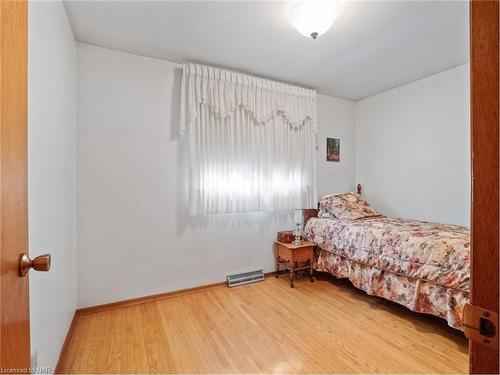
290 255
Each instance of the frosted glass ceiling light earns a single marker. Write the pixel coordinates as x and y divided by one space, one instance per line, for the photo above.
312 18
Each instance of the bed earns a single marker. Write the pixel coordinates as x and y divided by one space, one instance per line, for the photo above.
423 266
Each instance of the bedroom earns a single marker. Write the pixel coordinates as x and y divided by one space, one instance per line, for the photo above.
169 145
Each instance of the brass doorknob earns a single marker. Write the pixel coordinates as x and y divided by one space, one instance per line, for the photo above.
40 263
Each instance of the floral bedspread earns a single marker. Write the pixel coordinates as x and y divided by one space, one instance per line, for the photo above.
433 252
417 295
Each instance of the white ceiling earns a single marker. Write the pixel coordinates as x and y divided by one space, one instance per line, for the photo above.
372 47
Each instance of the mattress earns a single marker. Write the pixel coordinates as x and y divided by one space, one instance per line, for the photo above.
437 253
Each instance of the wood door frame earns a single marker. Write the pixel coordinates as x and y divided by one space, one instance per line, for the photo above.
14 306
484 79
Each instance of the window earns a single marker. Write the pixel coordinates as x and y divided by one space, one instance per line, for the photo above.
251 142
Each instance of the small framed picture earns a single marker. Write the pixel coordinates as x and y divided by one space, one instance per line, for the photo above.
333 149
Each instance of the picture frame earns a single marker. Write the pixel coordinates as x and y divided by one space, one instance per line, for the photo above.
333 149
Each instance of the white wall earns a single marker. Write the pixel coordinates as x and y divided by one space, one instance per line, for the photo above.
51 176
134 235
412 148
336 118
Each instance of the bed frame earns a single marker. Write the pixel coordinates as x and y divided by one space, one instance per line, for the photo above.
336 264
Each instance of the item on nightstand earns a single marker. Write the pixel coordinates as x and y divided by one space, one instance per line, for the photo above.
289 235
298 218
285 236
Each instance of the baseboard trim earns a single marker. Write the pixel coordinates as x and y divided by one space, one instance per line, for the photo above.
145 299
152 298
67 340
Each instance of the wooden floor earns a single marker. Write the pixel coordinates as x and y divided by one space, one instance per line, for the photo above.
266 327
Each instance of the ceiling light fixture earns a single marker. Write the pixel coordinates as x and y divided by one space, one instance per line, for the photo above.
312 18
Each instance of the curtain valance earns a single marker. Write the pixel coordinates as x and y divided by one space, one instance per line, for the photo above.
224 91
250 142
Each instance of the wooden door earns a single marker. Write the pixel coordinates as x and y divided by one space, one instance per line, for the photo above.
14 309
484 25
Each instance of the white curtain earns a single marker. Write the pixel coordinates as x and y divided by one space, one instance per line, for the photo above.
251 142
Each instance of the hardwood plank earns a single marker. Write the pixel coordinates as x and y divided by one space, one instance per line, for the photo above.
267 327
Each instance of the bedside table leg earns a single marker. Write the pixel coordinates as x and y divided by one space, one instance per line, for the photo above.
291 276
311 273
277 260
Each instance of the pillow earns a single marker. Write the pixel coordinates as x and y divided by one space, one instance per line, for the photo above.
324 203
347 206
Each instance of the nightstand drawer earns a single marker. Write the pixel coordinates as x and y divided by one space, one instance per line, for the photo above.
284 253
302 255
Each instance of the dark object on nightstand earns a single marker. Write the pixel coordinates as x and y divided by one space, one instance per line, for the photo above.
286 236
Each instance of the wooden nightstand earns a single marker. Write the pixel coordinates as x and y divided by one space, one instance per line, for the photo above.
290 254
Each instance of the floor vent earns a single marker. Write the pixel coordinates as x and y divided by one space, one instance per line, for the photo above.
245 278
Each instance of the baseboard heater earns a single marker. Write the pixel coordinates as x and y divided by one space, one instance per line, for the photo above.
245 278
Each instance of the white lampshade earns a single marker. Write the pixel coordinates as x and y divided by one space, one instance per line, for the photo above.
312 18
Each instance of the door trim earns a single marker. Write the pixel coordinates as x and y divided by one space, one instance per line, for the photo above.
14 314
484 76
